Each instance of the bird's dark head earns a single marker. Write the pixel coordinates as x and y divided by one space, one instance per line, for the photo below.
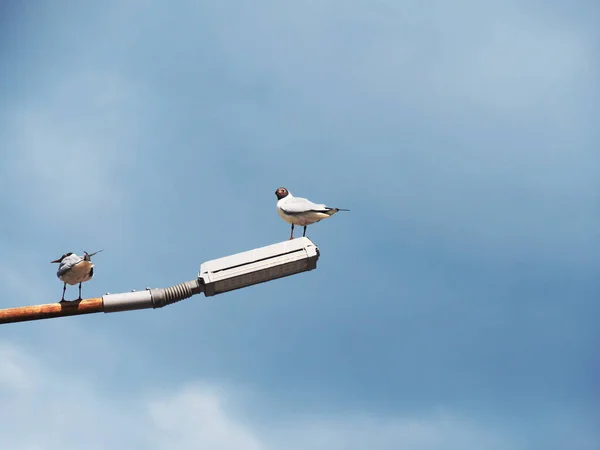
281 193
61 258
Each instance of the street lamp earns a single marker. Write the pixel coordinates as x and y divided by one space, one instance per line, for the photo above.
215 277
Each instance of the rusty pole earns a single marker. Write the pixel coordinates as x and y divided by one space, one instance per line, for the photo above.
51 310
128 301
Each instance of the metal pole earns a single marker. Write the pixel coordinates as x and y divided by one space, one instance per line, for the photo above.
51 310
215 277
128 301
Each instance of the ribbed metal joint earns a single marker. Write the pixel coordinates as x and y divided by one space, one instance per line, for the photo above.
173 294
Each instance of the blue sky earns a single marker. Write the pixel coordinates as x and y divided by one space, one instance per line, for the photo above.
454 307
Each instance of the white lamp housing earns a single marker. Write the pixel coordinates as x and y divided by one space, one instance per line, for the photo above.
258 265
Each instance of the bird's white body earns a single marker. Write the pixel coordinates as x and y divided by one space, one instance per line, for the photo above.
74 269
300 211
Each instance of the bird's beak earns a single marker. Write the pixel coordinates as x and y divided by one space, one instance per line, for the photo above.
55 261
92 254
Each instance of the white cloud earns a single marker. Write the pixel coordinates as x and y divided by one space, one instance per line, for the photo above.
45 408
194 417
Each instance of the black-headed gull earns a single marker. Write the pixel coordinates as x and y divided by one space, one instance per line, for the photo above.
74 269
300 211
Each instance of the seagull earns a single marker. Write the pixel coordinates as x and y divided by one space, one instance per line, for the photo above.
300 211
74 269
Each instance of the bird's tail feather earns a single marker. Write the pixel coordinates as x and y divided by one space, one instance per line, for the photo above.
87 255
332 211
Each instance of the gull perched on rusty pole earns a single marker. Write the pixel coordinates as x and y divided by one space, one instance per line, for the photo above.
74 269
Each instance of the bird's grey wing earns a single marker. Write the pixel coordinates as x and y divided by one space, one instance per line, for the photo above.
68 263
301 205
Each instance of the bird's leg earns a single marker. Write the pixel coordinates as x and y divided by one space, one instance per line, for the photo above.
62 300
292 233
304 234
79 292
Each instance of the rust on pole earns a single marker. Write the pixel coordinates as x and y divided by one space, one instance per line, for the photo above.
51 310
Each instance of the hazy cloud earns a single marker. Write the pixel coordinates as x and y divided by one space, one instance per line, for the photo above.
67 412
